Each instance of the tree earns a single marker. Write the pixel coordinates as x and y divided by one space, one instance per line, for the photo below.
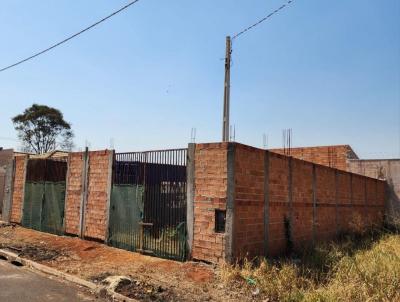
42 129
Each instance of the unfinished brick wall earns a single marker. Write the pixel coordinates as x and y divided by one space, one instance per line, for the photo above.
249 202
331 156
97 196
280 203
96 212
18 189
74 193
325 208
278 200
210 184
302 200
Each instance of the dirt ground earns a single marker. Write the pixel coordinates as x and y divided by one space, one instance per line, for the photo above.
154 279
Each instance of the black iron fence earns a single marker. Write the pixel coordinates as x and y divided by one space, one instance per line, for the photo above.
148 202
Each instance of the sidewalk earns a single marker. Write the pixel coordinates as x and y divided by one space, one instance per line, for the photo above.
155 279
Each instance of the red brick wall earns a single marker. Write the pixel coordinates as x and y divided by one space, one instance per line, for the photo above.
344 200
96 214
249 202
210 193
331 156
74 193
278 202
18 190
341 200
325 219
302 196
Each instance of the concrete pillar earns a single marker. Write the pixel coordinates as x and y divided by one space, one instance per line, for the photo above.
190 170
9 166
84 193
266 204
290 198
111 156
230 206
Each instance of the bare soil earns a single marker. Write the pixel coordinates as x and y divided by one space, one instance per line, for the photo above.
153 279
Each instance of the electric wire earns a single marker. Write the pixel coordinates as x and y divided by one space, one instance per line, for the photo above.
70 37
261 20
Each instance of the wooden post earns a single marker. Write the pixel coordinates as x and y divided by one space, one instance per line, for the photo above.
227 86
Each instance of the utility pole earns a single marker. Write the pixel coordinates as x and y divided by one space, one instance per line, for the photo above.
227 88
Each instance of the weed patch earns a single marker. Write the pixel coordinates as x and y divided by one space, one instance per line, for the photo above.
363 267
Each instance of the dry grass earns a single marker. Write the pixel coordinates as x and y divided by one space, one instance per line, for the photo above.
357 268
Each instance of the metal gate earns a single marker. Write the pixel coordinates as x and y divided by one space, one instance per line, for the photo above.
148 203
44 197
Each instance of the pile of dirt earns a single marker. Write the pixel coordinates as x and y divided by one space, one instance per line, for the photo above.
33 252
144 291
39 253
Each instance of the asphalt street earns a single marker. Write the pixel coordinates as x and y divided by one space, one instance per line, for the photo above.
19 284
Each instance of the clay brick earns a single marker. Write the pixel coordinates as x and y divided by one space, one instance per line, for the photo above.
18 190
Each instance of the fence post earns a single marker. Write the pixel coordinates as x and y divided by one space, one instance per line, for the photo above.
111 156
85 175
64 227
290 196
266 203
190 166
230 205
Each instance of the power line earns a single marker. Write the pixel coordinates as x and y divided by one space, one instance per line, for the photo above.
262 20
70 37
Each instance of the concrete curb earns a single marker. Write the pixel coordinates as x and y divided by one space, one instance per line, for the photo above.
98 289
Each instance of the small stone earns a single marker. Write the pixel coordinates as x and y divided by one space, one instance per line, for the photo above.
256 292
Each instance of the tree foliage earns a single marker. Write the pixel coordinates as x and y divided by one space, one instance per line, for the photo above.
42 129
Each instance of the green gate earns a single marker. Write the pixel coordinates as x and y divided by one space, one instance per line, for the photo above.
126 211
44 197
148 203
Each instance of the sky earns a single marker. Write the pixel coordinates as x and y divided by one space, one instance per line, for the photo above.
329 70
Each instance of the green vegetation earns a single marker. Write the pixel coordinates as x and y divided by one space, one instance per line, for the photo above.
356 268
42 129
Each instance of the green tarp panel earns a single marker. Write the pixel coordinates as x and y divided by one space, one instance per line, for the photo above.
53 207
44 206
32 210
126 212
